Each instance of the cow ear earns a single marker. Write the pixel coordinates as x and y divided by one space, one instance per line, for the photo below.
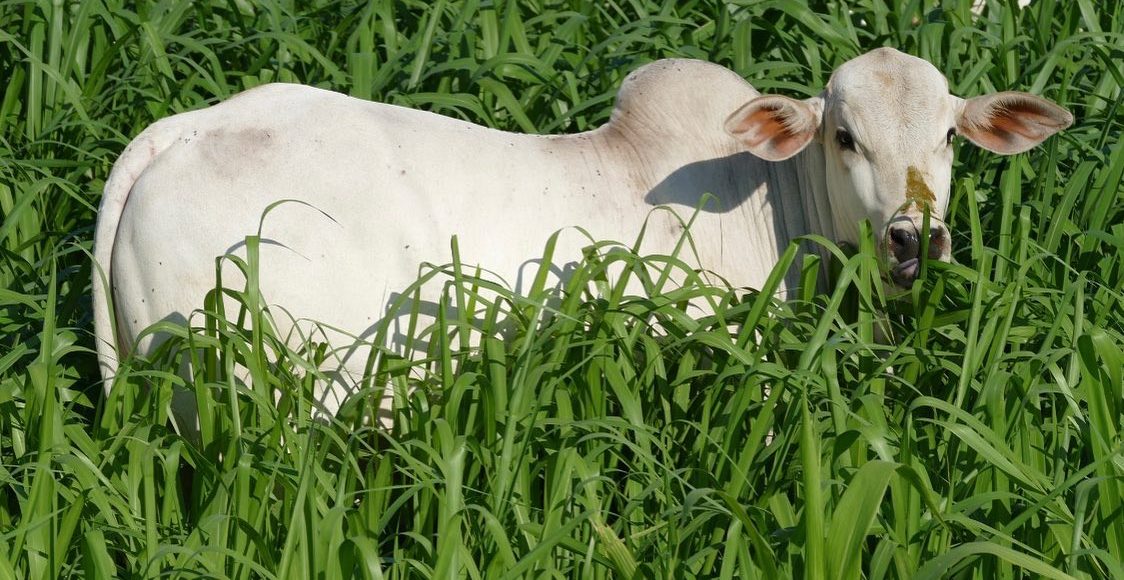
1009 122
775 128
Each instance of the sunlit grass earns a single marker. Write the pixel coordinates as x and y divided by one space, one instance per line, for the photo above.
598 434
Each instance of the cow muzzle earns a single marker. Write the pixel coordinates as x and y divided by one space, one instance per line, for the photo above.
904 249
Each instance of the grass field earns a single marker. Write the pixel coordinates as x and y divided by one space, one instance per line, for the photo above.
620 438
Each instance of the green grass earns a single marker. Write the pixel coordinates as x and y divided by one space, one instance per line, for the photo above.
610 435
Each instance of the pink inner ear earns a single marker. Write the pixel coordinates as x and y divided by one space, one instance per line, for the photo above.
769 125
774 128
1001 133
1011 122
765 132
1022 118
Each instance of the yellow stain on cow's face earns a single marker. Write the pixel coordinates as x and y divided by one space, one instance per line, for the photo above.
917 192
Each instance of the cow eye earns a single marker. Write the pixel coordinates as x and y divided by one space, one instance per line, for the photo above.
951 135
845 140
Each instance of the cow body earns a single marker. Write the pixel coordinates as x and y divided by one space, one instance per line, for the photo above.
385 188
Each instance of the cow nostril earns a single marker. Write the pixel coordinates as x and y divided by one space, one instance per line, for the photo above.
899 236
904 243
937 242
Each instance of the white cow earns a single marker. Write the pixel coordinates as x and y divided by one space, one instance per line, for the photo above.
399 183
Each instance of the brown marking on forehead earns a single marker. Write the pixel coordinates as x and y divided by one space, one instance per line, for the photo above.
884 78
917 192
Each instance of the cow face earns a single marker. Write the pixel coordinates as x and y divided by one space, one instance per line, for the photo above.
887 124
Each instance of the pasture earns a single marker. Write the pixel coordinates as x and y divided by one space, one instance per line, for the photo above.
612 435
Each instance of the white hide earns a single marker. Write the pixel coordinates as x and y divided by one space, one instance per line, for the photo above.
399 183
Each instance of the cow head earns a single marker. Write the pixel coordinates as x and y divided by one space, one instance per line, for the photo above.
887 124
